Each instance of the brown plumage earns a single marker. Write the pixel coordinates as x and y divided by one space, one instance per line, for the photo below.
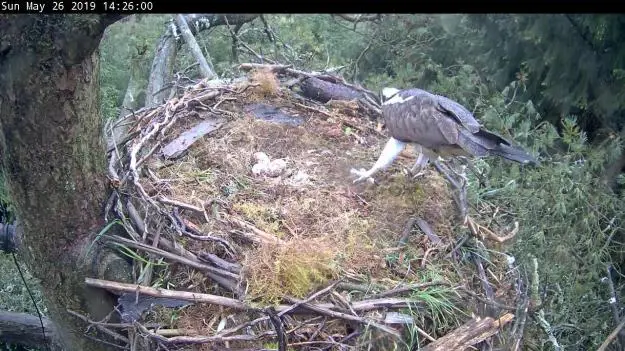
440 126
444 127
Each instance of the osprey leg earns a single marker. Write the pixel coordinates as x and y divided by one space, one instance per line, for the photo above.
459 183
392 148
420 163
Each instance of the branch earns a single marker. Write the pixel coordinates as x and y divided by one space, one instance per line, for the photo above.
157 292
207 72
474 331
359 18
611 337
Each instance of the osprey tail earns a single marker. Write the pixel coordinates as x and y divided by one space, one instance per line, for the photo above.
484 143
514 154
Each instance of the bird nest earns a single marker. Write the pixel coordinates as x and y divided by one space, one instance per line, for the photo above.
239 211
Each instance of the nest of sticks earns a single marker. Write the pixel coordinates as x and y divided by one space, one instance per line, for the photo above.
238 211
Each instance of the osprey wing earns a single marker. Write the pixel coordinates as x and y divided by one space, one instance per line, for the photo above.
459 113
413 115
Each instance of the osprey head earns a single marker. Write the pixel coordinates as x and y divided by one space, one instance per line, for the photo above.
387 93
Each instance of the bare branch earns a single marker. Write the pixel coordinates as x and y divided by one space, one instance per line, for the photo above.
359 17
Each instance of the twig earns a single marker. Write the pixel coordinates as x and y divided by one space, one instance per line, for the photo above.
408 288
535 299
174 257
278 326
180 204
488 289
200 339
190 229
614 298
358 287
220 262
425 228
478 230
261 235
100 327
612 336
135 218
345 339
486 301
403 240
340 315
310 298
519 325
158 292
98 340
314 109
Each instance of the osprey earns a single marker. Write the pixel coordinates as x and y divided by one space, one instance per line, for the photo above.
438 126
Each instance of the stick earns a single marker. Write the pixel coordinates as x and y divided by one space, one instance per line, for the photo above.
612 336
341 315
103 329
174 294
174 257
408 288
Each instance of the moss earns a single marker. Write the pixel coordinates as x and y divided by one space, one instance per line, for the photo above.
264 218
292 269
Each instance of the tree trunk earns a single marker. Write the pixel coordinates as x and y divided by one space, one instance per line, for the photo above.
162 69
207 72
166 50
53 156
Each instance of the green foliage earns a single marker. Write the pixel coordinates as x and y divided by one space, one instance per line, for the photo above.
573 60
569 220
127 48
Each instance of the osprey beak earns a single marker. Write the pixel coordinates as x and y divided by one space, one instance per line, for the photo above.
387 93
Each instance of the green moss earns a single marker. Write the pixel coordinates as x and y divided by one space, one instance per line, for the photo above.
264 218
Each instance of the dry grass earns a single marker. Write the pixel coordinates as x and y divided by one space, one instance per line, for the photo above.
330 227
268 84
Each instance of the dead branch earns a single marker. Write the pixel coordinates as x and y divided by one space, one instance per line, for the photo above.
157 292
180 204
472 332
341 315
488 289
612 336
207 72
310 298
425 227
116 336
259 235
199 339
174 257
615 303
486 301
482 232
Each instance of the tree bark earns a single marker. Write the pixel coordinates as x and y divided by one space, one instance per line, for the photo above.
25 329
163 65
162 69
323 91
472 332
207 72
53 157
